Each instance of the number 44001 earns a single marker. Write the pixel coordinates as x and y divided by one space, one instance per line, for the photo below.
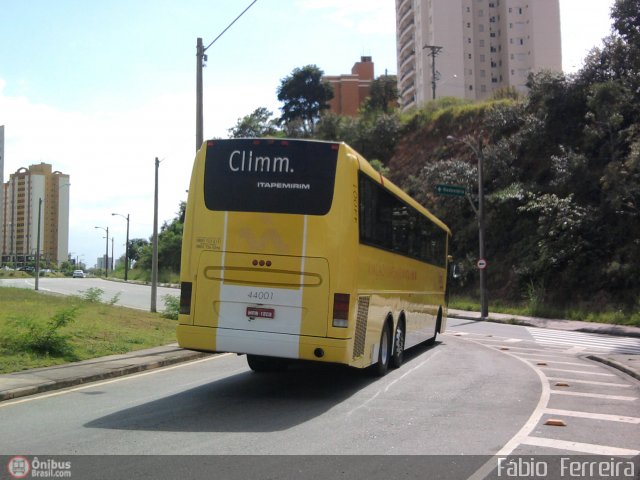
260 295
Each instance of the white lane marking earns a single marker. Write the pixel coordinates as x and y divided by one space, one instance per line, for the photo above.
580 341
580 338
593 416
386 389
579 447
565 363
595 395
589 382
582 372
529 425
574 350
500 340
107 382
560 354
532 349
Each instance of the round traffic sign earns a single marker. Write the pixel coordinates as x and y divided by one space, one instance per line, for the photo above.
482 264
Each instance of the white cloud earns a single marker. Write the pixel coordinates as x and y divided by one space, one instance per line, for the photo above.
110 157
364 16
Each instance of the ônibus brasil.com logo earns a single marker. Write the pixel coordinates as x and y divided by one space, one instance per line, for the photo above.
21 467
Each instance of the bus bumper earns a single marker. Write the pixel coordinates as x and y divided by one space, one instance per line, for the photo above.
301 347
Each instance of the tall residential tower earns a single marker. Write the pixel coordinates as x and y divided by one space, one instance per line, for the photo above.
1 178
478 46
22 210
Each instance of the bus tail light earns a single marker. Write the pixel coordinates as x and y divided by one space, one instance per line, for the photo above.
341 310
185 298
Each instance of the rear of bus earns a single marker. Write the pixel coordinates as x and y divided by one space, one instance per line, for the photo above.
269 249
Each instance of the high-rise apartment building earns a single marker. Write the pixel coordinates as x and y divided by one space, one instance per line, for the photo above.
22 209
479 46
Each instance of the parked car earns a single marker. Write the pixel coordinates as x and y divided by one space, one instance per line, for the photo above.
79 274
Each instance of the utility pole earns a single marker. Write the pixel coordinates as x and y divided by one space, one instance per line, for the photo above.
434 51
154 261
200 59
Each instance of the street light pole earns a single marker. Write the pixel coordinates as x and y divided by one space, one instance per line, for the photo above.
126 248
106 252
484 307
154 258
479 154
37 285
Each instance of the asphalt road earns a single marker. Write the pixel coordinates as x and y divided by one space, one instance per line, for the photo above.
435 404
483 389
129 294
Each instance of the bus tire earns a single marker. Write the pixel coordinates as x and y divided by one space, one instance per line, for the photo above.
432 340
259 363
384 352
398 346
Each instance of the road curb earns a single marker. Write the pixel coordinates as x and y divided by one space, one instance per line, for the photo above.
616 365
115 373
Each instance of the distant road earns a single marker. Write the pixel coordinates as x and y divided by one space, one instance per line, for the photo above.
130 294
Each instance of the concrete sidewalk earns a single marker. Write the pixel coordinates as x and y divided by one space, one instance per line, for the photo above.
30 382
38 380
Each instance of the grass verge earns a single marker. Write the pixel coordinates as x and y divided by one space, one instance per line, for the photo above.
70 329
610 316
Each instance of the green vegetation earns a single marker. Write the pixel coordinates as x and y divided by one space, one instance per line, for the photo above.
38 330
304 96
171 307
25 334
525 308
562 176
562 190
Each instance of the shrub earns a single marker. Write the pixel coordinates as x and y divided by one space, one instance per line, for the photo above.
115 299
92 295
171 307
27 334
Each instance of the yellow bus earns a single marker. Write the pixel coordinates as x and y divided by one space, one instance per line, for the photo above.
300 250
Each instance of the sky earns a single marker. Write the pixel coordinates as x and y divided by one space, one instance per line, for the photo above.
100 89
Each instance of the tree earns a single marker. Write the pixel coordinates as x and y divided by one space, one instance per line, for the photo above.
169 244
383 95
257 124
136 248
304 96
626 20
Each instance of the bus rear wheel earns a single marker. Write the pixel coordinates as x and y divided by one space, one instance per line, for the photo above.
384 352
259 363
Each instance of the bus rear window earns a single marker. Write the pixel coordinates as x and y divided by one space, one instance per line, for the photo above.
274 176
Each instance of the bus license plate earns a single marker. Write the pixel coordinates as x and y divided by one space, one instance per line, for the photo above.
255 312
